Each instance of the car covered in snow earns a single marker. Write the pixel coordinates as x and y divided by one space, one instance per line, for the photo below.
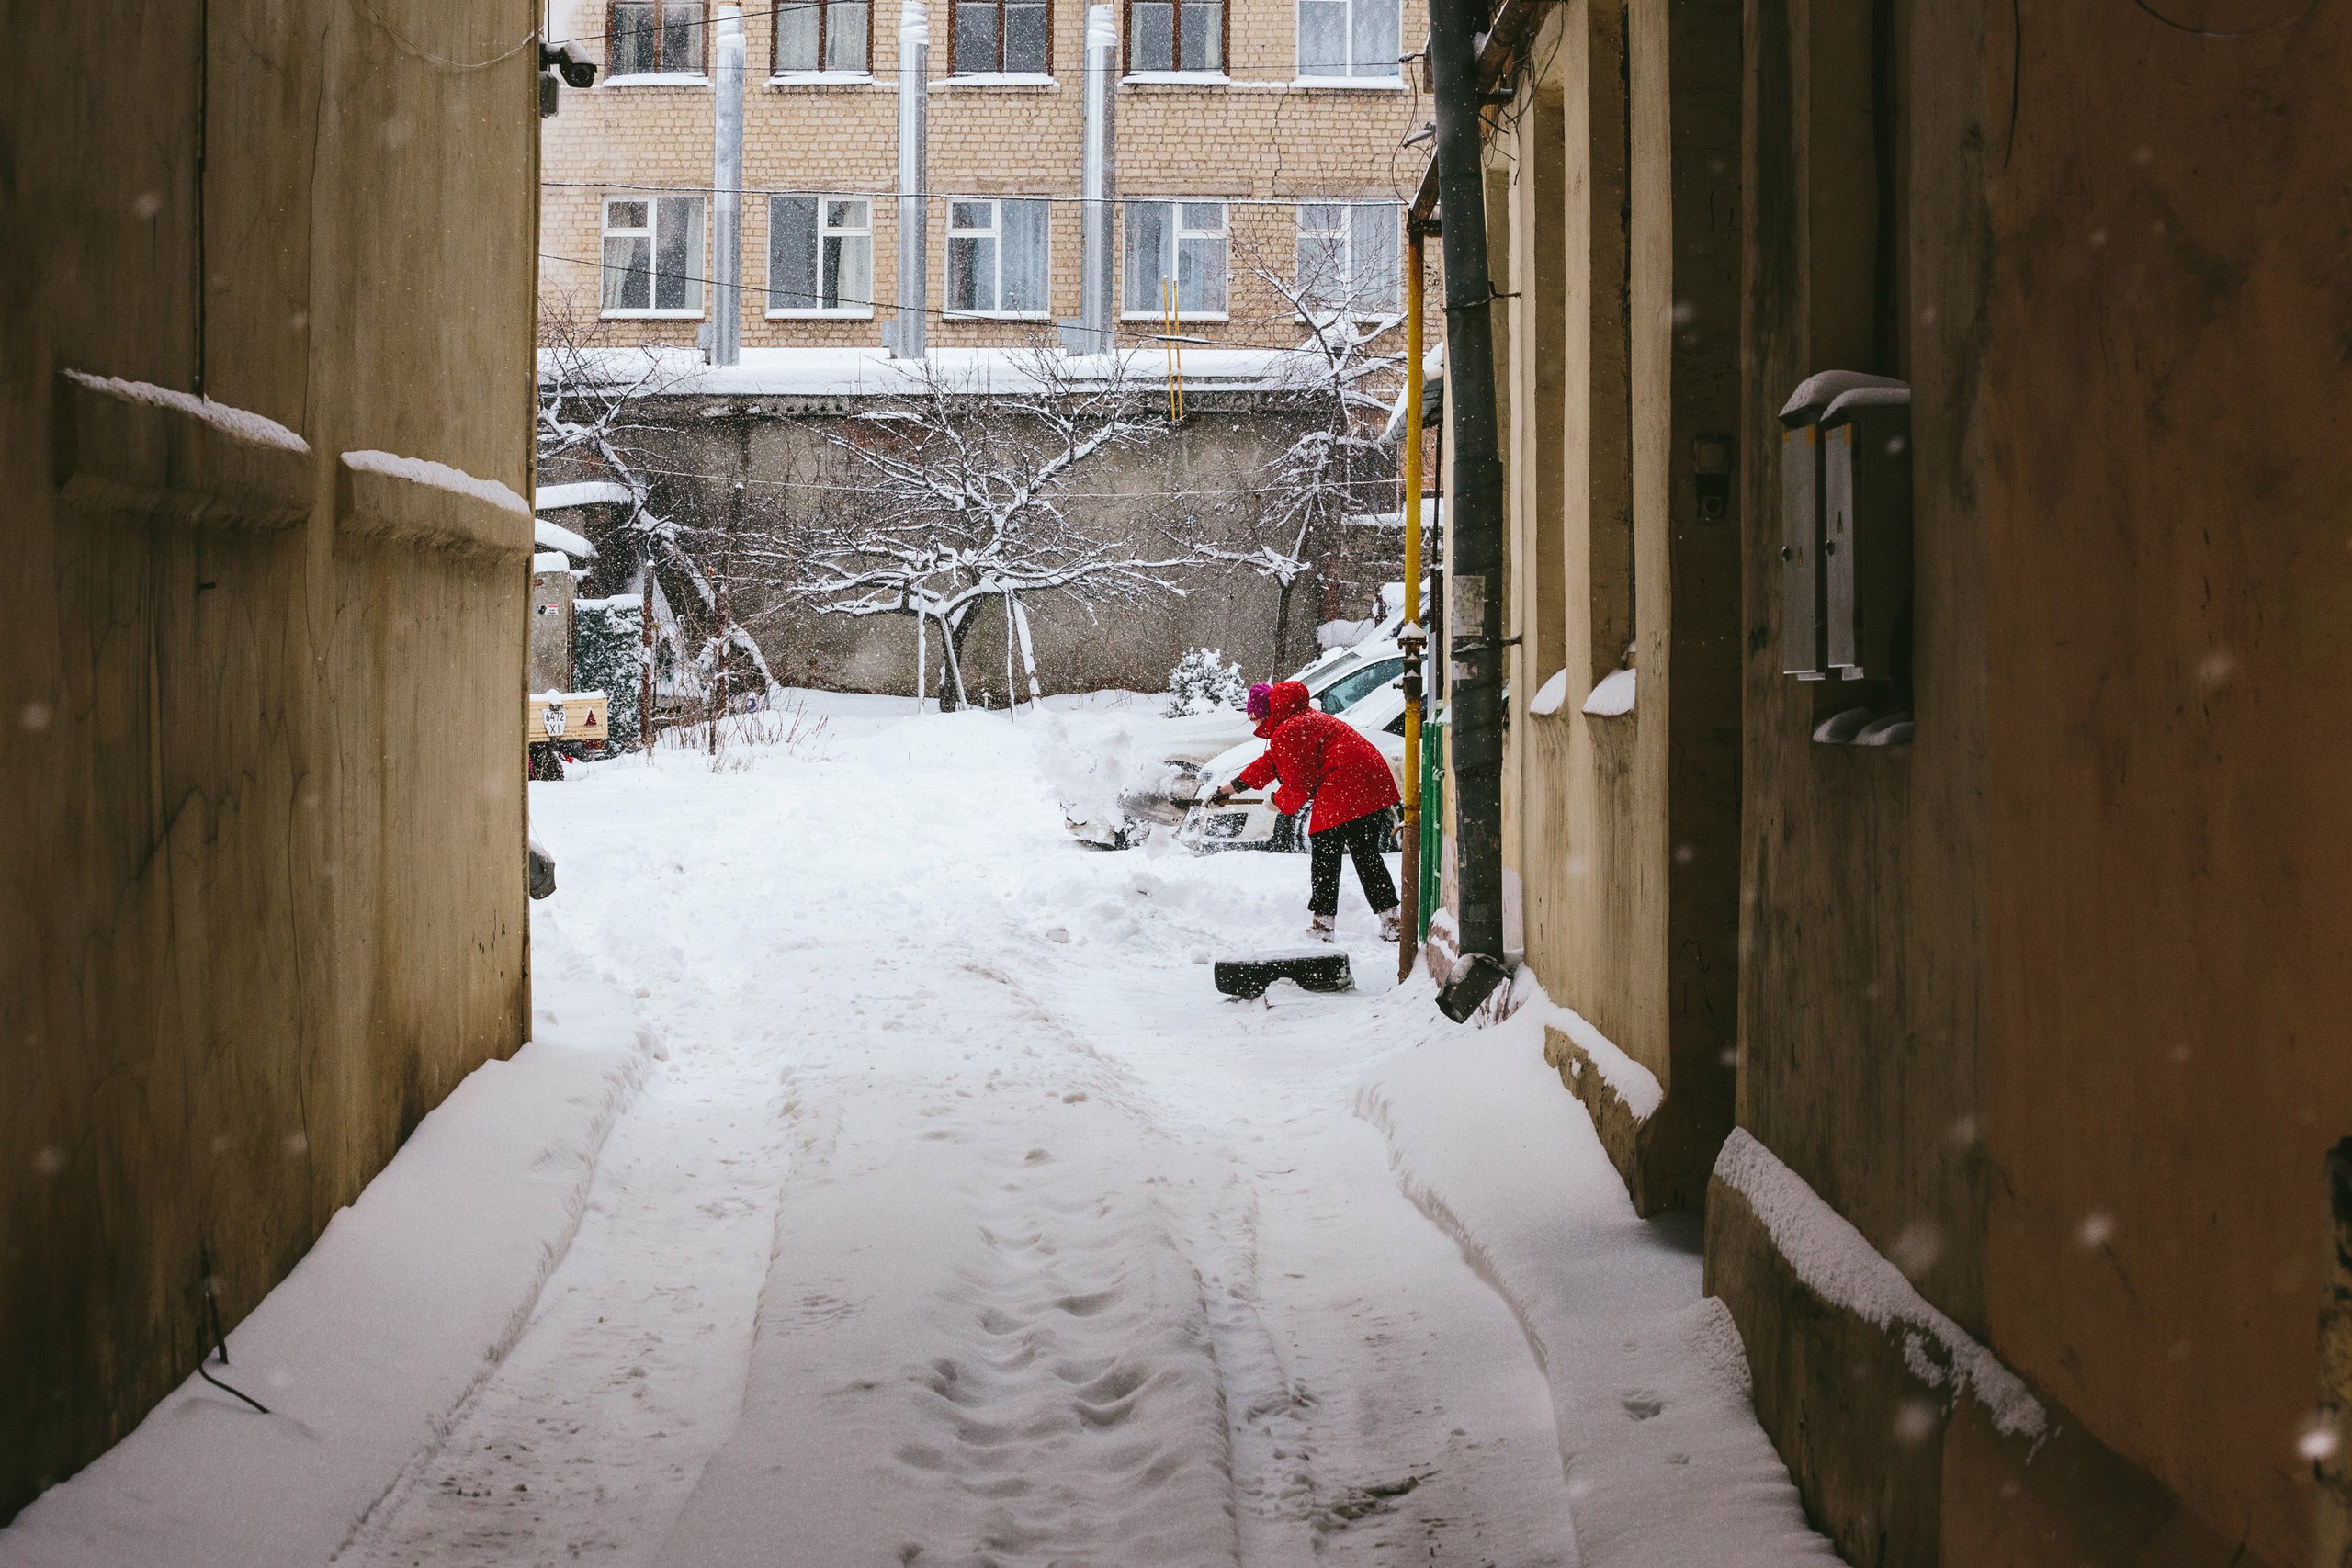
1186 746
1249 821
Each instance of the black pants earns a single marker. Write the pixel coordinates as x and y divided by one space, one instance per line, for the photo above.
1360 841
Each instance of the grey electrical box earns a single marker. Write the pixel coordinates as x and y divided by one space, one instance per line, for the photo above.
1802 637
1815 631
1866 515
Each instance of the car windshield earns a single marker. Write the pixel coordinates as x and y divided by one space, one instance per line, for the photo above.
1351 688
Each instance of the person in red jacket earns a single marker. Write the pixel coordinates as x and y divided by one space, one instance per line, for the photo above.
1317 755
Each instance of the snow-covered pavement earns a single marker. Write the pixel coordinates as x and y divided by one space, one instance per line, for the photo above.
943 1214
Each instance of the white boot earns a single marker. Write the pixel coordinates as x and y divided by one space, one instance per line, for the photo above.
1392 925
1319 928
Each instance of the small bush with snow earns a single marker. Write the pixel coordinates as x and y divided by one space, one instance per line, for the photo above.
1203 682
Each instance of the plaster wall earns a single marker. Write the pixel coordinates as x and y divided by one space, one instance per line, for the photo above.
260 714
2044 1002
1208 471
2171 958
1624 202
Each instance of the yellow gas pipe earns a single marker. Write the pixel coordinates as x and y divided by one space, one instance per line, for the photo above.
1414 640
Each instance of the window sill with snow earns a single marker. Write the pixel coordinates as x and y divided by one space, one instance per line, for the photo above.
1175 79
826 79
658 79
1035 81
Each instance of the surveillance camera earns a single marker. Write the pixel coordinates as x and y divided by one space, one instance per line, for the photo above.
578 66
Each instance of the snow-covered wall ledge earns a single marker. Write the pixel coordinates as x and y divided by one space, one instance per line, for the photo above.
1618 1092
134 448
1835 1262
430 503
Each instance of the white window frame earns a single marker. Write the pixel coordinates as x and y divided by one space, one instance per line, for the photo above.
1390 75
780 75
995 232
1176 71
654 202
1178 234
1347 305
696 75
825 229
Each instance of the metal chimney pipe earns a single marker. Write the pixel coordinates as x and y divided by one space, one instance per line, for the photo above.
727 196
1098 180
905 335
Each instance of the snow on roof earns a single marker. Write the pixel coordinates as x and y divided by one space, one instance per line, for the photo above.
550 560
1838 1264
555 536
871 372
1397 519
587 492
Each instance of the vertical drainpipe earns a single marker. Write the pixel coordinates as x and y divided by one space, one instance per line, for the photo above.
727 195
1475 626
905 335
1098 184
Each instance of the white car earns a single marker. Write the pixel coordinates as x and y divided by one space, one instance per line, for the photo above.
1189 743
1249 821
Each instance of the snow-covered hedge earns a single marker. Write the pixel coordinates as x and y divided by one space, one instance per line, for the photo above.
607 648
1203 682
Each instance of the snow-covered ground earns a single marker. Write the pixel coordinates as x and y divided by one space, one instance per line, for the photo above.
888 1185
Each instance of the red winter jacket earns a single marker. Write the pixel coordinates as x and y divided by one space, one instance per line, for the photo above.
1315 754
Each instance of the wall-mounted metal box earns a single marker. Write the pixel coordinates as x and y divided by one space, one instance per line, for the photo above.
1815 630
1866 513
1803 653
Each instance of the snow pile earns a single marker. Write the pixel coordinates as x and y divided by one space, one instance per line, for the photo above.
1097 764
1838 1264
1666 1463
1549 696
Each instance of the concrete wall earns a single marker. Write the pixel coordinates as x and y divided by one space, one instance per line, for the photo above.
1207 473
260 709
2048 1002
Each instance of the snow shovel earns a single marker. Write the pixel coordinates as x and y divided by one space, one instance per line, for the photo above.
1249 977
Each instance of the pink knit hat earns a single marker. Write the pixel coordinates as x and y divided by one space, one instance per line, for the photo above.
1258 703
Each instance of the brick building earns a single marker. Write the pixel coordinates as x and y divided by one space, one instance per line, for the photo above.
1251 137
1257 147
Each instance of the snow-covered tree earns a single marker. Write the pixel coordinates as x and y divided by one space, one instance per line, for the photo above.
1339 469
962 504
593 417
1203 682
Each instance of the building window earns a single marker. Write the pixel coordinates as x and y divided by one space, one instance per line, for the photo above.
1176 35
823 35
1348 38
1348 255
820 256
1003 37
1180 242
996 257
653 255
655 38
